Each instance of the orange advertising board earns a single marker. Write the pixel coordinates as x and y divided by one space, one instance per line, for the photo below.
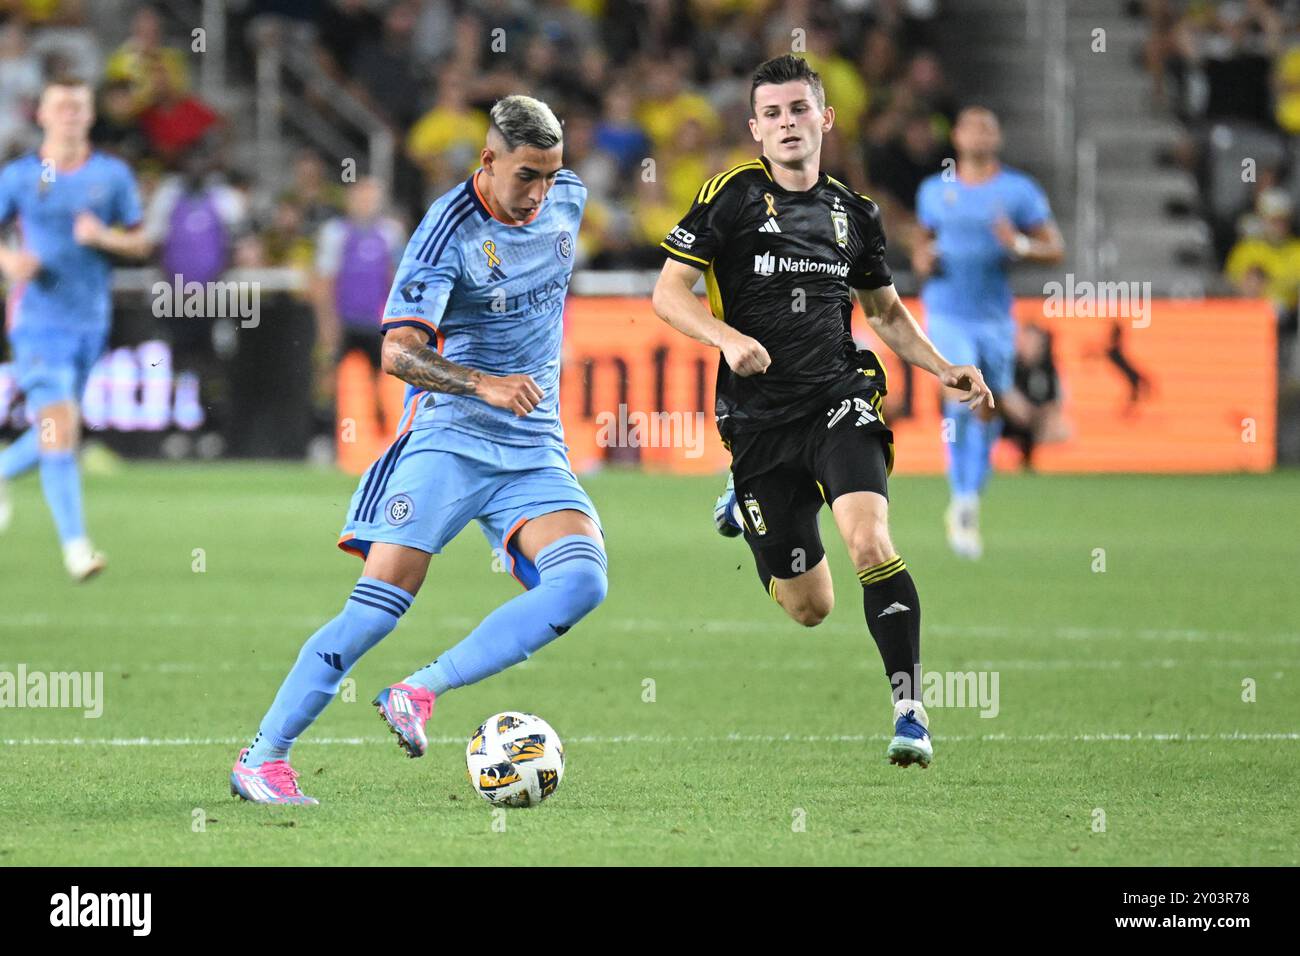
633 391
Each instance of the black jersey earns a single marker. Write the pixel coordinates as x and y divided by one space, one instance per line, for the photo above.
779 266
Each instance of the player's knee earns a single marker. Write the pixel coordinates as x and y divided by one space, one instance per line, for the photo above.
584 584
870 545
810 610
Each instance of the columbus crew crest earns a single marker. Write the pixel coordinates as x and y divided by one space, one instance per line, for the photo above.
840 221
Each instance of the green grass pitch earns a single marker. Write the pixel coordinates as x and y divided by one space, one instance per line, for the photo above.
1121 738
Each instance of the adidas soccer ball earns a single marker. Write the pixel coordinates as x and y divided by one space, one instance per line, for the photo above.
514 759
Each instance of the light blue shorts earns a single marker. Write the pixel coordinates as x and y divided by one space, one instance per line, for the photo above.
989 346
54 368
431 482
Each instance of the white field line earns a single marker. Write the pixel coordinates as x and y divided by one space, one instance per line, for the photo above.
450 626
1235 736
651 665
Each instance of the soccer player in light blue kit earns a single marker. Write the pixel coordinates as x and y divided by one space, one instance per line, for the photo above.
484 279
73 206
972 229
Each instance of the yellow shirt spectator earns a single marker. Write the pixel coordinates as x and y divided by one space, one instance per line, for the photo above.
660 119
845 90
1288 90
1279 262
129 64
442 132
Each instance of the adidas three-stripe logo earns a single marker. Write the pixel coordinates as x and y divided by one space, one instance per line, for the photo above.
399 702
256 787
895 608
333 660
769 226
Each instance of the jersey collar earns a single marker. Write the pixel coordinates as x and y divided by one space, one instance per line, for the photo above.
471 188
822 180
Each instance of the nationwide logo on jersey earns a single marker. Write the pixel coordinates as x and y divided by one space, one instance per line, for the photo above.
493 260
840 221
767 264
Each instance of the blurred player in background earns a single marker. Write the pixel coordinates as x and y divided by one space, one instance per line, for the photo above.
484 277
971 228
783 247
1031 408
74 208
357 255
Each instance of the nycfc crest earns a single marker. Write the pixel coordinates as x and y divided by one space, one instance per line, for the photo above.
563 246
399 509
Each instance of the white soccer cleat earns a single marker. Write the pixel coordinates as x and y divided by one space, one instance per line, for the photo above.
911 743
962 520
6 506
82 560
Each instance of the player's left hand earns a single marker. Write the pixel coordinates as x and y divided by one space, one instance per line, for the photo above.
1005 233
969 379
87 229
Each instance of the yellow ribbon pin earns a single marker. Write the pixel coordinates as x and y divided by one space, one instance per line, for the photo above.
490 250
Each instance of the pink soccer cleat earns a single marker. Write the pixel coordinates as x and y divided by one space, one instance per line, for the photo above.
273 782
406 709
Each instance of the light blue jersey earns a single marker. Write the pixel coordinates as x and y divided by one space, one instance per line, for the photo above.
970 283
493 295
72 292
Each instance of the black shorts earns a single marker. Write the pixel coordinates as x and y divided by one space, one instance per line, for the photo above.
785 474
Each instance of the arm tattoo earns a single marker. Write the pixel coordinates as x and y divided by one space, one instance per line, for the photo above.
424 368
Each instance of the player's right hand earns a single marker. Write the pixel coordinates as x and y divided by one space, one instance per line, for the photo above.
745 356
20 265
517 393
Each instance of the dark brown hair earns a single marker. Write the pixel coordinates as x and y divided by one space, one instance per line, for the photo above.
784 69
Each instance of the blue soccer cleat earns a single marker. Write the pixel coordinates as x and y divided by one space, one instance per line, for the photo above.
911 743
726 512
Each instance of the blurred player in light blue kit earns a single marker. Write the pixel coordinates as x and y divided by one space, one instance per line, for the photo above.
483 279
72 206
971 229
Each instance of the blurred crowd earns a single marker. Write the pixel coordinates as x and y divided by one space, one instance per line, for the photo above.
1230 70
653 95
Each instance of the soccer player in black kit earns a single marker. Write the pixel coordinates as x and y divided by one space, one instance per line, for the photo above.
783 247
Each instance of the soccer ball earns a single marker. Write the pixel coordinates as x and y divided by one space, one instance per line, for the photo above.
514 759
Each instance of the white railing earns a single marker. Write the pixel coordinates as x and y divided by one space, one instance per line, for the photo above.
1087 215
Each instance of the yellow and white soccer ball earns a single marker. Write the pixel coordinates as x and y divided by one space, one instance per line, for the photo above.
515 759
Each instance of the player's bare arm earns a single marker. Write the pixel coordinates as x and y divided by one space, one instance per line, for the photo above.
1042 244
676 303
89 230
19 265
406 355
900 331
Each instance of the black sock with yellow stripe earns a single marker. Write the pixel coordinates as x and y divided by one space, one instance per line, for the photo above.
893 612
